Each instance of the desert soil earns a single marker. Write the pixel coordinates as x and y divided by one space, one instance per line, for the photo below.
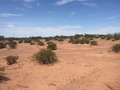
80 67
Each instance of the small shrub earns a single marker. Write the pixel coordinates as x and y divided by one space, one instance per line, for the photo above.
103 37
20 41
52 46
45 56
116 48
2 45
49 42
27 40
2 38
109 36
11 59
82 41
1 70
48 38
12 44
60 39
2 77
76 41
40 43
86 40
116 36
93 43
32 43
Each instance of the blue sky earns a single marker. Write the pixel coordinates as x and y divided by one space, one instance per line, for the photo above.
58 17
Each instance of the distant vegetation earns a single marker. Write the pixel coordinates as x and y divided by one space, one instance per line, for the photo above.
52 46
75 39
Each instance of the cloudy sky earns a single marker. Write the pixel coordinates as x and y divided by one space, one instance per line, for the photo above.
58 17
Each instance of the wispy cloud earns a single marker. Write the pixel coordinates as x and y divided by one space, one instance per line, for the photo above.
89 3
9 15
72 13
37 3
51 12
28 6
20 9
62 2
29 1
83 2
113 17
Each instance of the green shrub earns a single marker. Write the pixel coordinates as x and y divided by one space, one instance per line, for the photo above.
2 45
60 39
103 37
12 44
40 43
116 48
75 41
48 38
2 76
109 36
49 42
32 43
45 56
116 36
93 43
20 41
71 39
82 41
52 46
2 38
27 40
85 40
11 59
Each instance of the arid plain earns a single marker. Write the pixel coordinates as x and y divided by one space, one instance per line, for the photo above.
79 67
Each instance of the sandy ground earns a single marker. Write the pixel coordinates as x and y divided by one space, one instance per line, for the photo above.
80 67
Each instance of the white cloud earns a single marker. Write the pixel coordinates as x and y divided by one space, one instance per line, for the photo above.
109 29
20 31
62 2
89 3
29 0
28 6
9 15
83 2
41 31
114 17
37 3
10 26
20 9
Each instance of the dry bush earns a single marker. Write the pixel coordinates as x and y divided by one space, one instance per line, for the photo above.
45 56
11 59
